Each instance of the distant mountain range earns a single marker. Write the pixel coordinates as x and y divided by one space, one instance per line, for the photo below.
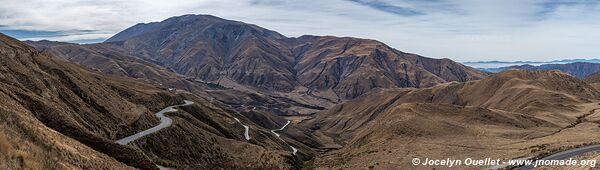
497 64
519 62
577 69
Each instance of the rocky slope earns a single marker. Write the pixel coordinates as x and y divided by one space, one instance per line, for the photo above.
70 117
208 47
211 48
53 94
105 58
352 66
111 59
244 65
593 78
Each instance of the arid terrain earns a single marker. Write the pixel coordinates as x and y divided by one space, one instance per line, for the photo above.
261 100
44 95
525 115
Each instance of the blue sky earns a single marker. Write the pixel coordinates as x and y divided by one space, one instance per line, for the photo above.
463 30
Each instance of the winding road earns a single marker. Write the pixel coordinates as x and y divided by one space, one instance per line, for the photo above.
164 123
245 127
571 152
566 154
294 150
274 131
280 129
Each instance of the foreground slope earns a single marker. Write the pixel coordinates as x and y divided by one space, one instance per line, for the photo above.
511 114
71 118
39 98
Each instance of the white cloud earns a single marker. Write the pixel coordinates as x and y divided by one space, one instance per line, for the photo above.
76 37
458 29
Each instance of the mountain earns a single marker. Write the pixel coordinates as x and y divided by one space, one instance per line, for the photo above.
595 60
593 79
213 49
494 65
577 69
34 91
506 115
105 57
70 118
207 47
112 59
237 70
238 62
351 67
500 69
257 99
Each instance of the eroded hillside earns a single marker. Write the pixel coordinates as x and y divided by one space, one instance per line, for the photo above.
73 116
511 114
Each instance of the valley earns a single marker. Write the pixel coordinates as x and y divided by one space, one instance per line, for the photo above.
202 92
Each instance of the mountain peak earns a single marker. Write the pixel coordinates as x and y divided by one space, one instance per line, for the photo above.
190 24
210 48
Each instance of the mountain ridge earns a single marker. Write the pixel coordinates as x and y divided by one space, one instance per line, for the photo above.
577 69
265 59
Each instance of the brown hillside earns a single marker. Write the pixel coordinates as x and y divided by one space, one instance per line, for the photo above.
593 79
211 49
63 111
489 117
352 66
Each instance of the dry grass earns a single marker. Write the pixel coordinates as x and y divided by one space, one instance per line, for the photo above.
25 143
16 154
508 115
5 146
468 139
